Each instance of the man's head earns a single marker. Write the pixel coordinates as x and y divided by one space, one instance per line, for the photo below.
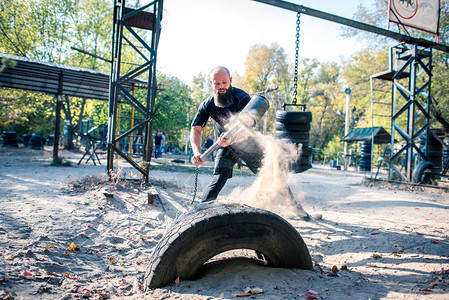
220 80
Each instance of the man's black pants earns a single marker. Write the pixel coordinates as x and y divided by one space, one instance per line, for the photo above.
248 150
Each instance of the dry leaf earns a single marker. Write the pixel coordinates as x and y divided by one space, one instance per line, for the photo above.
242 295
177 280
344 267
376 255
311 292
334 269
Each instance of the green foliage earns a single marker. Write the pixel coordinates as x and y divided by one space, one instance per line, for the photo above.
267 67
333 147
324 102
26 112
174 110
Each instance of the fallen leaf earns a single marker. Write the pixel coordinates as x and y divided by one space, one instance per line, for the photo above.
312 292
436 242
376 255
344 267
177 281
334 269
311 297
426 290
242 295
374 233
432 285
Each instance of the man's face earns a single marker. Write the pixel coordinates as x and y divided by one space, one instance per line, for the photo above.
221 85
221 82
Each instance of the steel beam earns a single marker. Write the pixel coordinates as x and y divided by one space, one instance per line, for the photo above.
354 24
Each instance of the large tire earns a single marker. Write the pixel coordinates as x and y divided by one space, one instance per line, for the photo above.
291 135
293 117
422 172
211 229
292 127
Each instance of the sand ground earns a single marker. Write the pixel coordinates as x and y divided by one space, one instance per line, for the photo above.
61 237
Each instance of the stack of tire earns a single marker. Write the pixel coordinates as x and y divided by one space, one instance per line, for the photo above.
10 138
36 142
425 171
434 149
294 126
365 157
26 139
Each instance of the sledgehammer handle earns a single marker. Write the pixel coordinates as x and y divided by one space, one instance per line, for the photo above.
233 130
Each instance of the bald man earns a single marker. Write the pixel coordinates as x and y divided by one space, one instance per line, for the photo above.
224 102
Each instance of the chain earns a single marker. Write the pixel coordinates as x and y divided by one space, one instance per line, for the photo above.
196 185
295 80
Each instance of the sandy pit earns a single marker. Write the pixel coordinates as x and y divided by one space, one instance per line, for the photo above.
67 233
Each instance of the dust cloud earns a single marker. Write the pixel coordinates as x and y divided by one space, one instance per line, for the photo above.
270 189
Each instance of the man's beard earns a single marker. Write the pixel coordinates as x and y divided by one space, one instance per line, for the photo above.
223 100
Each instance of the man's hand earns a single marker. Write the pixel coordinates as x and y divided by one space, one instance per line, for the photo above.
196 160
224 142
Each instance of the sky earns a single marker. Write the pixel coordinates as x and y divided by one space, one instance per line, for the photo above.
198 35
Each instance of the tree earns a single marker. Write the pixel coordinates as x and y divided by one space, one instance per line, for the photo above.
325 99
265 67
173 109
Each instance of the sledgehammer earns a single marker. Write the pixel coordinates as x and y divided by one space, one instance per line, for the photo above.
247 118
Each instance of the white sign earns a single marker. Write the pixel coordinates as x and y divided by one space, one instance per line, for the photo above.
419 14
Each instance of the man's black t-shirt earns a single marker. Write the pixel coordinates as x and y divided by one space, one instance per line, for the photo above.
220 115
157 140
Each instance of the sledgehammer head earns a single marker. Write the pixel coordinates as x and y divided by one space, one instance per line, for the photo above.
254 111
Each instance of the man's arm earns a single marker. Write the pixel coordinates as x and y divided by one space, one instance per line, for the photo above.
195 142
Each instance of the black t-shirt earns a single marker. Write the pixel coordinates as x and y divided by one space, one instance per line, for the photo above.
157 140
221 115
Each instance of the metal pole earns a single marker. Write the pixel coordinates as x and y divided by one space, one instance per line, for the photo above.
348 101
355 24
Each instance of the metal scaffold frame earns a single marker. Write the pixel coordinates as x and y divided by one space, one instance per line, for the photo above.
413 112
132 25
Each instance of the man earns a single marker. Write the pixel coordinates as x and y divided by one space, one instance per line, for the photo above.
207 144
225 102
158 144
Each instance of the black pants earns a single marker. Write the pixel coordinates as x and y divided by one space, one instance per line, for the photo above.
248 150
